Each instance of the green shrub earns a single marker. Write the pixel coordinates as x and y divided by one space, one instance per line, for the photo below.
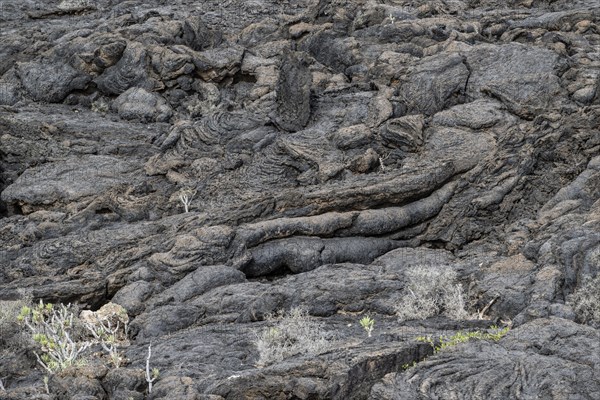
368 324
494 334
443 342
431 291
53 329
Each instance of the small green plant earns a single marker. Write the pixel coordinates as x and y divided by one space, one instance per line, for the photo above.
409 365
444 342
52 329
9 312
367 323
427 339
14 340
495 334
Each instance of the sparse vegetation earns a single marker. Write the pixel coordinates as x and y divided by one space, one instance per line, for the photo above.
443 342
151 374
586 302
108 326
45 379
409 365
186 196
9 329
494 334
290 334
53 329
13 340
368 324
431 291
61 338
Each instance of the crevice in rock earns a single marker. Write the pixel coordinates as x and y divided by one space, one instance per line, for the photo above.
362 376
104 210
12 209
240 77
436 244
280 273
3 185
96 305
3 207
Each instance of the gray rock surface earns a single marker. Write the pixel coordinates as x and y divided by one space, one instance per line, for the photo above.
139 104
537 359
50 82
330 145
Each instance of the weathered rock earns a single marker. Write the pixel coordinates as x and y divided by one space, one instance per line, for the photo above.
205 278
336 53
139 104
329 146
9 93
171 63
198 36
367 162
304 254
543 348
405 133
68 180
130 71
214 65
511 73
164 320
351 137
79 382
293 93
134 295
51 82
123 383
436 83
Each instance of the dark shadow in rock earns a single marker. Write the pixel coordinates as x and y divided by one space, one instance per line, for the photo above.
3 184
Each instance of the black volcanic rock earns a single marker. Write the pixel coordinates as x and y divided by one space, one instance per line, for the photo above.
50 82
327 147
293 93
546 349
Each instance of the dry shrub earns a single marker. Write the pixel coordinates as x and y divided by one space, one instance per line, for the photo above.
431 291
586 302
290 334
